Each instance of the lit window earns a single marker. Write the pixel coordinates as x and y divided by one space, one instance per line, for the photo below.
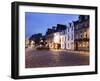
85 35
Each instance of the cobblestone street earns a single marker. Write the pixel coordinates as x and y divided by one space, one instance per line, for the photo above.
53 58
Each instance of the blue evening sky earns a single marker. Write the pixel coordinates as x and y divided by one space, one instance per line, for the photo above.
40 22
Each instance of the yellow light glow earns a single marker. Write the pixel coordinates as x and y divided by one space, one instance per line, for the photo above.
56 38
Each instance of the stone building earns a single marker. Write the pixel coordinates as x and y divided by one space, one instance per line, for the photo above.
53 36
81 33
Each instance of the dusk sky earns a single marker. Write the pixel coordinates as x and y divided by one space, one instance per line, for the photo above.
40 22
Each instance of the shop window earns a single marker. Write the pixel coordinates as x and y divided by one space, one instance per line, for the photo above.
87 44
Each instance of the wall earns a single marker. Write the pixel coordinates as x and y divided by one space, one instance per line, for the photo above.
5 41
70 40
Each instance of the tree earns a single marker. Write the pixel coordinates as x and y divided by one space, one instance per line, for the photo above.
36 38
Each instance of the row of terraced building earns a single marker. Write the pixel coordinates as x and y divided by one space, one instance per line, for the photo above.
74 36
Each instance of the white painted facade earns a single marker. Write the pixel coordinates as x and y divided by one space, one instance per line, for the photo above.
67 38
63 46
57 37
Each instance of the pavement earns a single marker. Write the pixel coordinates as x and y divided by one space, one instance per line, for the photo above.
55 58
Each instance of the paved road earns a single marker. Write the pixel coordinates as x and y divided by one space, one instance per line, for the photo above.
53 58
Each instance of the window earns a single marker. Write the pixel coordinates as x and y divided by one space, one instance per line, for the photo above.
72 37
68 37
64 45
72 28
62 39
86 24
85 34
87 44
77 36
81 35
65 38
76 27
68 45
68 29
64 32
72 44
